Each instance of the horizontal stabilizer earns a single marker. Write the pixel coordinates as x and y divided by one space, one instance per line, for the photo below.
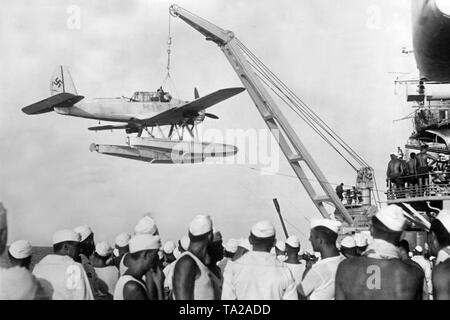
63 99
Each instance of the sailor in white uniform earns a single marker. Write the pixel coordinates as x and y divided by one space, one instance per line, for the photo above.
258 274
61 277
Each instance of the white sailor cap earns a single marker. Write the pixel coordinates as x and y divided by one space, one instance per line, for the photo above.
231 245
176 253
418 249
66 235
293 241
263 229
348 242
444 218
169 247
185 242
20 249
146 225
360 240
103 249
244 243
333 225
280 245
122 239
392 217
201 225
144 241
17 283
84 232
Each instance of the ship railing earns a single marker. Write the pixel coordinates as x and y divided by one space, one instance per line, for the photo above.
434 184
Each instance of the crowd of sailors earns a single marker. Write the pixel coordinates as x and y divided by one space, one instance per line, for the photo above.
412 177
201 266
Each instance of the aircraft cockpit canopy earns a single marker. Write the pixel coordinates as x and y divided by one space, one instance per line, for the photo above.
146 96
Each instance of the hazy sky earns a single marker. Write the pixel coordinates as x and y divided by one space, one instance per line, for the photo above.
339 56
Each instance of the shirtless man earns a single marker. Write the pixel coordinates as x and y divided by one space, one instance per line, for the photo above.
394 171
411 167
143 261
191 277
423 167
379 274
439 242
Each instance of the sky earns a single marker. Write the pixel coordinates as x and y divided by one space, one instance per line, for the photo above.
341 57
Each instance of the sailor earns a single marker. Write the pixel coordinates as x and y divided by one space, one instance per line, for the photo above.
168 256
161 93
379 274
354 194
280 250
395 171
439 242
121 247
87 248
259 275
403 247
191 277
340 191
411 166
143 260
244 246
318 282
107 274
215 254
17 283
19 254
87 244
423 167
59 274
230 250
361 243
145 225
183 245
425 264
294 264
348 247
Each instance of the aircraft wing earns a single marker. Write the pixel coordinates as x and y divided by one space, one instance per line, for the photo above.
63 99
192 108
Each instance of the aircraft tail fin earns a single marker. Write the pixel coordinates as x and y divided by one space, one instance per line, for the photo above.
61 81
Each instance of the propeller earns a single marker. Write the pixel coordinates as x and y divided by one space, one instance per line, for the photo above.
196 95
202 113
212 116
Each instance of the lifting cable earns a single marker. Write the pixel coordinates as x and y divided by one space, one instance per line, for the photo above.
304 111
169 51
299 104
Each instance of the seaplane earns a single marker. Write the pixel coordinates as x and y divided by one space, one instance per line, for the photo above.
144 110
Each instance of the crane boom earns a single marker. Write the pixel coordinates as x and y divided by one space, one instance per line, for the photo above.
290 144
